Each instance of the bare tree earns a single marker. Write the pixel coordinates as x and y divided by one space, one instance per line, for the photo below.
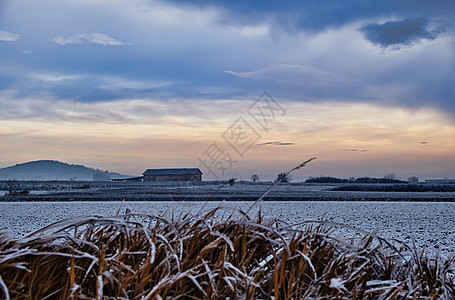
11 186
391 176
255 177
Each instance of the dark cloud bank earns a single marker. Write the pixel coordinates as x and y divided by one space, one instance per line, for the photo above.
319 15
404 32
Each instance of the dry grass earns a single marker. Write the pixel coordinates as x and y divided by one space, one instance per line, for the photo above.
217 255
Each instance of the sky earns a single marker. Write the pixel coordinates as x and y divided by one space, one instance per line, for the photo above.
233 87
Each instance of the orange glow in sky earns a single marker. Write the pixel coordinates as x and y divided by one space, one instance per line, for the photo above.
349 139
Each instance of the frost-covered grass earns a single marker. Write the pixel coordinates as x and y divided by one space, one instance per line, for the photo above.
214 255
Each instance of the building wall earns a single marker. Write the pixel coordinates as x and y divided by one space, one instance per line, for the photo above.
173 177
149 178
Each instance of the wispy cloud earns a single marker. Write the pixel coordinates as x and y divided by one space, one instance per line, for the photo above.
50 77
6 36
277 143
254 31
354 150
294 74
84 38
185 112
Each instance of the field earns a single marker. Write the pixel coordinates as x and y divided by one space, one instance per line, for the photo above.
426 216
213 191
341 244
431 224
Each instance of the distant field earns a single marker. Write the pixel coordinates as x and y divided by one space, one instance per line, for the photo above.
397 187
216 191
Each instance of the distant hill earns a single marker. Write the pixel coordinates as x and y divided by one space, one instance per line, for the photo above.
53 170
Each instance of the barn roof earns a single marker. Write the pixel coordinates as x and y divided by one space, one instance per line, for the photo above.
172 172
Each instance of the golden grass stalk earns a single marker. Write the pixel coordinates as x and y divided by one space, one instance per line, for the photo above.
303 164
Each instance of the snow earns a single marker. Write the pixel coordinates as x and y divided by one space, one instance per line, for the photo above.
337 283
432 224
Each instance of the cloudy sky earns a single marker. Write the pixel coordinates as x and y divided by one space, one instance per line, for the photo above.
368 87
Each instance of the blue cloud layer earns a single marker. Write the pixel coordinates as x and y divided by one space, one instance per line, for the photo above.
301 50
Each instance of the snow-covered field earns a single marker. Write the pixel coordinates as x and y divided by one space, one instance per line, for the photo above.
430 223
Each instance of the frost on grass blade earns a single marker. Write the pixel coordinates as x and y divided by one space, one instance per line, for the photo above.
4 289
337 283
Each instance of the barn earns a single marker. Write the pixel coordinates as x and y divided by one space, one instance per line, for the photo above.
182 174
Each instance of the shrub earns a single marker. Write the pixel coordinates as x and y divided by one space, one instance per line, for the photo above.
326 179
413 179
283 177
